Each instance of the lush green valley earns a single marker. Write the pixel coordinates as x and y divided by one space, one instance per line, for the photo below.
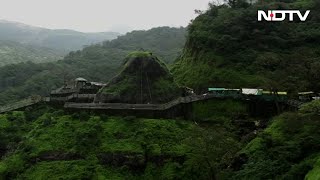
98 62
220 138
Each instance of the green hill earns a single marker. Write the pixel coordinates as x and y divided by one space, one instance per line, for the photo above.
143 79
12 53
165 42
228 47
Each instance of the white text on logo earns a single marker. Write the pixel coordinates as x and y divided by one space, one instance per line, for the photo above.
281 15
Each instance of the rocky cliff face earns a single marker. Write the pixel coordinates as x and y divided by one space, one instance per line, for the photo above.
144 79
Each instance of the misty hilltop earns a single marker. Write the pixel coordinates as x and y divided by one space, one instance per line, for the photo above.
62 40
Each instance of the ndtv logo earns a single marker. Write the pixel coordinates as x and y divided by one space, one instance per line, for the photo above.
280 15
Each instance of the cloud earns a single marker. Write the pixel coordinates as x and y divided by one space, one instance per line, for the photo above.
101 15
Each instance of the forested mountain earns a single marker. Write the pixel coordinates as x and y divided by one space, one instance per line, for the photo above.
62 41
13 52
22 43
224 138
98 62
165 42
228 47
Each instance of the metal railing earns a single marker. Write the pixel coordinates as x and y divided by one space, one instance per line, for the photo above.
119 106
181 100
20 104
165 106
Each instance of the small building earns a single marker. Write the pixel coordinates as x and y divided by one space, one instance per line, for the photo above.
80 82
188 91
254 92
306 96
79 89
224 91
274 95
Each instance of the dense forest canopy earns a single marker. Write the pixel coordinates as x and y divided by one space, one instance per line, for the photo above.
226 46
83 146
13 52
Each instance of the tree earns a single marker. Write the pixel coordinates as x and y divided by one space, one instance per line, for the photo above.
210 149
312 107
237 3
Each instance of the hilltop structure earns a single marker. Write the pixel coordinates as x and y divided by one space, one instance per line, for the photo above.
78 90
144 79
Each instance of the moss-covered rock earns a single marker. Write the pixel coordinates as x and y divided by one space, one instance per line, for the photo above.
143 79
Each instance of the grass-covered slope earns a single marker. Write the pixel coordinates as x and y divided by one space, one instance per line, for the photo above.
143 79
50 144
228 47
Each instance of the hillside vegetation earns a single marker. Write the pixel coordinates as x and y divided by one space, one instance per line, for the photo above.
13 53
143 79
224 138
98 62
287 149
227 47
46 143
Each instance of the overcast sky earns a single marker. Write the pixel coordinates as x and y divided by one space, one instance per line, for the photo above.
101 15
